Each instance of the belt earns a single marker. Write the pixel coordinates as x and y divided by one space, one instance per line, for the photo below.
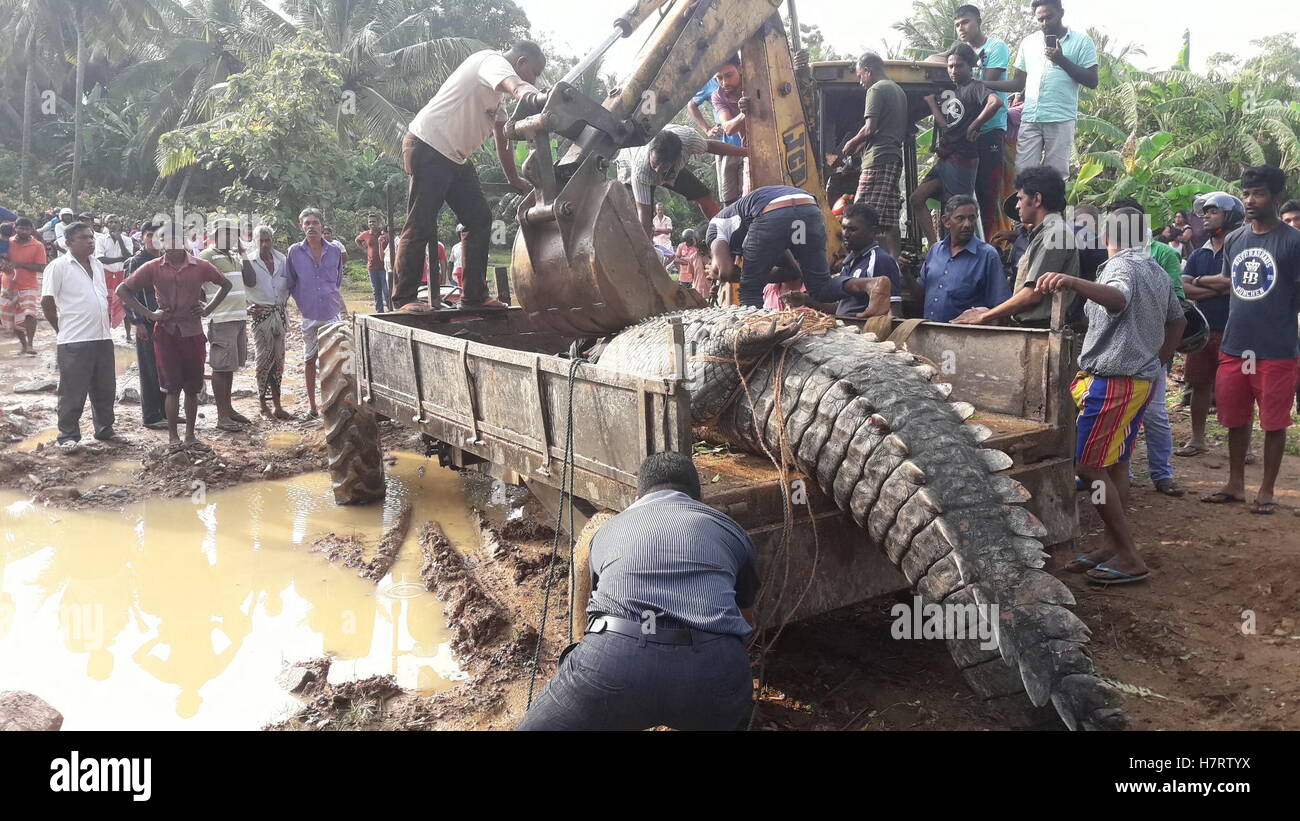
633 629
788 203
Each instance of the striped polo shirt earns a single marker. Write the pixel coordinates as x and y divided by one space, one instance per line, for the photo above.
691 565
234 308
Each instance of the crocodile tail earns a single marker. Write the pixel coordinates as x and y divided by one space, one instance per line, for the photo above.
883 441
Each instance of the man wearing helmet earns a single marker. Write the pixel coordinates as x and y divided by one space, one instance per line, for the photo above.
1259 362
1204 283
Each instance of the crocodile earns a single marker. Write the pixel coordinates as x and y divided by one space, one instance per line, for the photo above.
883 439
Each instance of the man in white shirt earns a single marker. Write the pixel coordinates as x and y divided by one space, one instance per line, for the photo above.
665 162
61 226
113 248
468 108
75 302
266 287
458 257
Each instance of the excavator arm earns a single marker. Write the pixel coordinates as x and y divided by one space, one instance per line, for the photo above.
582 264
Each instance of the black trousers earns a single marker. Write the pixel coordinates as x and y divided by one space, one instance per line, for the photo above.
152 409
86 369
614 682
436 180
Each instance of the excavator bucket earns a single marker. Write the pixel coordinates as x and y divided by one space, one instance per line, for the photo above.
583 266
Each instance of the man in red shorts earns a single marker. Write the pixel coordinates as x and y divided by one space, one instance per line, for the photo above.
1259 357
178 341
1203 281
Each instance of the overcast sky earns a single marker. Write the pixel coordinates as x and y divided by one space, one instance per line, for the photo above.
853 25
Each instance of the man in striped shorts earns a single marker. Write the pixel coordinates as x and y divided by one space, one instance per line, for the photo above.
1135 323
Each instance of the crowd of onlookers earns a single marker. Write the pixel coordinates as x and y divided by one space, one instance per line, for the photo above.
1217 283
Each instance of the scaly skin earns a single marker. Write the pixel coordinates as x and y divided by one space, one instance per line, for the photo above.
865 421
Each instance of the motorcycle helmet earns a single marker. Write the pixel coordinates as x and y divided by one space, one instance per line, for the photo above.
1197 332
1225 202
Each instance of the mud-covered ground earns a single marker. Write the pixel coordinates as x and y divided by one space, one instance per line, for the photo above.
1175 643
142 468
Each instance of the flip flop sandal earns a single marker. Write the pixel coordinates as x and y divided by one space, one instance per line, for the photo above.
1264 508
1218 497
230 427
201 447
1114 576
1084 561
1190 450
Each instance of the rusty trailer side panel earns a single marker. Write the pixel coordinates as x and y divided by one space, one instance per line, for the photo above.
508 406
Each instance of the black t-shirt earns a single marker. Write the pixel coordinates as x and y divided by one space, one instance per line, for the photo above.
1263 269
960 107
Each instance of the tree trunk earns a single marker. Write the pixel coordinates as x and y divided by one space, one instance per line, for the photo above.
156 188
78 21
29 104
185 184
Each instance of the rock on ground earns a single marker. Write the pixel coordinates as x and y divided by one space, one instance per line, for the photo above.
26 712
36 386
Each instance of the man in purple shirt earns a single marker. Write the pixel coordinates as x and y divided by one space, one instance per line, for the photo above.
315 275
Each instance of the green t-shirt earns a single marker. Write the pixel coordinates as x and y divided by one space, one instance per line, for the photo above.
1052 249
1172 263
887 105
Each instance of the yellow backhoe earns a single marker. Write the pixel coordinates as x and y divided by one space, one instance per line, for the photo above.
582 264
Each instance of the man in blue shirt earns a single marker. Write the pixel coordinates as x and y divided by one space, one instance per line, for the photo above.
962 271
776 227
1052 64
1203 281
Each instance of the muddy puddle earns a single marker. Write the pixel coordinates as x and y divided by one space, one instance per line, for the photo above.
180 613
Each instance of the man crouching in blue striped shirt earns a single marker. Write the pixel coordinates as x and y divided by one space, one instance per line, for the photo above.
672 584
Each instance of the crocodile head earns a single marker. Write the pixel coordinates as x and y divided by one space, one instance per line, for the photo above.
713 370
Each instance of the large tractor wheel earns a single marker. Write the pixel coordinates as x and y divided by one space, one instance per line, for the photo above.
351 433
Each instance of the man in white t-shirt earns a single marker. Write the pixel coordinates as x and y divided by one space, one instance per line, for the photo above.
75 302
458 257
468 108
113 248
665 162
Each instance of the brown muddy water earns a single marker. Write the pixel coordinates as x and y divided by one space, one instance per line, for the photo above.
180 613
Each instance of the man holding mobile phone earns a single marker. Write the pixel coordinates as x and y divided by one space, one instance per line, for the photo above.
1052 64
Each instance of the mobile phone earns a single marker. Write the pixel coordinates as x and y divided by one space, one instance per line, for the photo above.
1052 40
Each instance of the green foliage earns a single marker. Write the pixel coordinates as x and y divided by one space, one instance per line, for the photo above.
273 131
929 28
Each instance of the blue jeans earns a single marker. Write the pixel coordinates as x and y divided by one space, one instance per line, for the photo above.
800 229
379 284
1158 432
613 682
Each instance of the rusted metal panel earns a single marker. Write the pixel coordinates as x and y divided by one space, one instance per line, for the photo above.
511 407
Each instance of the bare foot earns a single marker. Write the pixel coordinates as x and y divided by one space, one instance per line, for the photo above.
282 414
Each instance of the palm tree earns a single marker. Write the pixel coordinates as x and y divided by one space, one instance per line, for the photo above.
102 26
393 61
36 31
929 29
201 43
